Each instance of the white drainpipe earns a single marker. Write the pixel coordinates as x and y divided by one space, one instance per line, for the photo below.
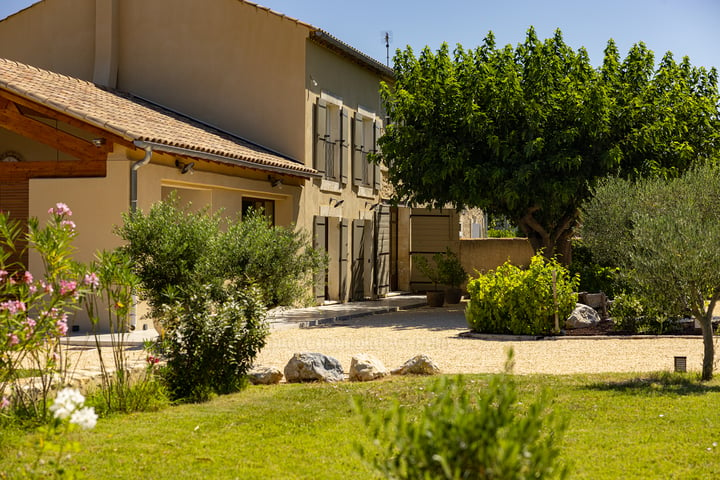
133 173
133 207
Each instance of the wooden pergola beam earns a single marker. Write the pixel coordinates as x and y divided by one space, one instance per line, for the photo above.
48 112
11 119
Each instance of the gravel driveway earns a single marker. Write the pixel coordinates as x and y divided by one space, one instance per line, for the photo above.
396 337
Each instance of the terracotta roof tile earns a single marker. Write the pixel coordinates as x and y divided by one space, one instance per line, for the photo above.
138 120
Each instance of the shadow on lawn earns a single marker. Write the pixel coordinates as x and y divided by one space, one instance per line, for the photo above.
661 383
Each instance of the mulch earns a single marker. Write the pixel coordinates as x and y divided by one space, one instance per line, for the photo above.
607 328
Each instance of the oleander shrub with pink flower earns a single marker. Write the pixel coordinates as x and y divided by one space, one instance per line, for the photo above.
34 311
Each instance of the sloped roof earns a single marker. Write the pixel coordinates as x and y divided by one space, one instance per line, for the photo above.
140 121
341 48
327 40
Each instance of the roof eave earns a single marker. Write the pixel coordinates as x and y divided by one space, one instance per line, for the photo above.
323 38
161 147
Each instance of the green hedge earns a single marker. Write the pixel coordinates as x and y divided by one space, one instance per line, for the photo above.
511 300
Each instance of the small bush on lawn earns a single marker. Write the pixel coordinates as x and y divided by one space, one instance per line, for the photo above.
517 301
210 345
466 432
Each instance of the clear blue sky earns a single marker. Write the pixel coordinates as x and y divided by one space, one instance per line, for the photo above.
685 27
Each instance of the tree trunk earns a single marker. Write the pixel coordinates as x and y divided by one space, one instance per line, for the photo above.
560 248
553 242
705 318
708 346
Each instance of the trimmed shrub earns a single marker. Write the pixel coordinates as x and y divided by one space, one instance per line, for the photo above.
209 345
511 300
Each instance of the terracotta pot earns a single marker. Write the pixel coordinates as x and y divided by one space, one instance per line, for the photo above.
435 298
453 295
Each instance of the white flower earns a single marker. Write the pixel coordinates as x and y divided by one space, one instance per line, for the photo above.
86 418
67 401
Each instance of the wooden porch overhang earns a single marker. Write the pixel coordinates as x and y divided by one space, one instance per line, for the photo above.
29 96
20 115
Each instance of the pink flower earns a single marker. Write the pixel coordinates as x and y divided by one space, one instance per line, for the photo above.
67 287
92 280
4 403
3 274
13 306
62 327
47 287
14 340
28 278
68 223
30 326
60 209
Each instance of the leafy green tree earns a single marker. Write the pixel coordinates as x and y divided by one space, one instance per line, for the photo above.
525 132
664 235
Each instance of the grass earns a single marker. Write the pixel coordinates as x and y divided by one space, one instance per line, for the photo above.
620 426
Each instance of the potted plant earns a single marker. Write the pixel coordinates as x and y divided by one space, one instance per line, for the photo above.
436 297
452 275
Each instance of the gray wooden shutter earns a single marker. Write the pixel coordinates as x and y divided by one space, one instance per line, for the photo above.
344 254
357 149
377 174
382 250
320 243
344 144
320 135
357 281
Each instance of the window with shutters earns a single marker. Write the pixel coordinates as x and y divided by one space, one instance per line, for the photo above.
331 138
366 131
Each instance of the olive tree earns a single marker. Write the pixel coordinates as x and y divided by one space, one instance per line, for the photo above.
526 131
664 234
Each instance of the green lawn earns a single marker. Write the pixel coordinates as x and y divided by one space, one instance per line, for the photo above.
656 426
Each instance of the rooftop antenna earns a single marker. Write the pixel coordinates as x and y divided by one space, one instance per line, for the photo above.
387 37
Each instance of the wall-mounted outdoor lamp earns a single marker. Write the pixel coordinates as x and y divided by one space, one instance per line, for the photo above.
184 167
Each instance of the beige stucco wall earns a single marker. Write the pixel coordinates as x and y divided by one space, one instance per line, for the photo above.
97 204
485 254
54 35
226 62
